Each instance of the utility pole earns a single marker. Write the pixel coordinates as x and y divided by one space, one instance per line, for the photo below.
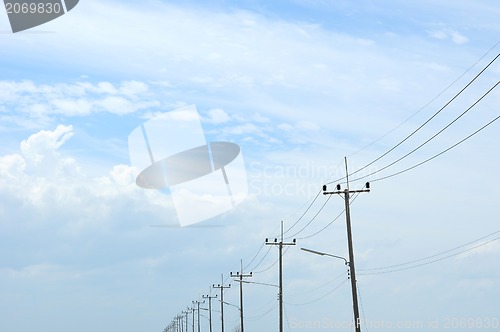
192 310
347 193
280 245
209 308
221 287
186 313
198 304
240 276
178 321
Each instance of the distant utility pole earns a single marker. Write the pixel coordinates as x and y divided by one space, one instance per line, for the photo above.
280 246
179 323
192 310
240 276
347 193
198 305
209 308
186 313
221 287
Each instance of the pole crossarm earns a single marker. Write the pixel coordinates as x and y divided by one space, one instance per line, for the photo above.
343 191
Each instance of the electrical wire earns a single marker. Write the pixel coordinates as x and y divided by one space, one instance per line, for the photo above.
320 298
310 221
303 214
331 222
422 125
430 139
428 103
362 307
319 287
260 262
432 261
264 314
432 256
439 154
267 268
254 257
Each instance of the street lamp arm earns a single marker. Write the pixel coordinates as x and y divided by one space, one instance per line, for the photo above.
324 254
231 305
258 283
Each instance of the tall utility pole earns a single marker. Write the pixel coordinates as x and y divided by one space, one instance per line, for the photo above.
221 287
209 308
347 193
240 276
198 305
280 245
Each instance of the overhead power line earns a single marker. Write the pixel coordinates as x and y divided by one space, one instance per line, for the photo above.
426 261
440 153
422 125
431 138
428 103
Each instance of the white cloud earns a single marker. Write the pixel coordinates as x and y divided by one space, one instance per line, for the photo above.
217 116
458 38
299 126
45 143
74 99
43 181
134 88
445 33
12 165
39 271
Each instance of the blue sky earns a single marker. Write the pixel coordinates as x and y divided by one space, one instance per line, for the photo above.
298 85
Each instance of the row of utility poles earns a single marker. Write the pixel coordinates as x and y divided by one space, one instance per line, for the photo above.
177 324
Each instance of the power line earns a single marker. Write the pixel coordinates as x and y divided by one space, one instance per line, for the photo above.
320 298
428 140
264 314
275 262
310 221
428 103
432 261
432 256
440 153
260 262
422 125
331 222
303 214
254 257
319 287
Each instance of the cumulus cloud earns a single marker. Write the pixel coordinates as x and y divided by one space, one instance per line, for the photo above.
45 143
44 181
